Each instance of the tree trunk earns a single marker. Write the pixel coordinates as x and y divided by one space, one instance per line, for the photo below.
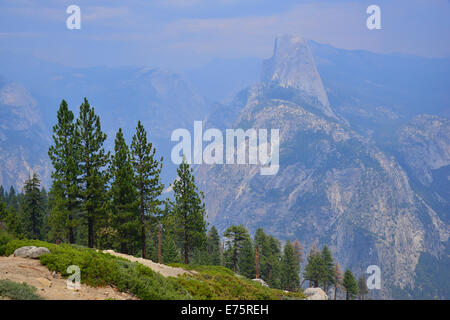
159 243
142 224
186 243
71 233
143 249
90 233
186 248
234 259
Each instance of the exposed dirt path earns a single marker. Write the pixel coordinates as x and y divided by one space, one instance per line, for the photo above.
51 286
163 269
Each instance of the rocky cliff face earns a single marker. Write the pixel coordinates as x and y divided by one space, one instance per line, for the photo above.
334 186
23 142
424 144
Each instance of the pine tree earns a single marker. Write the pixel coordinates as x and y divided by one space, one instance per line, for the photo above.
12 200
269 250
200 256
59 226
2 195
170 253
350 285
328 268
147 172
247 259
14 223
235 235
189 211
93 160
3 211
274 258
33 209
65 156
124 196
362 288
9 216
314 269
338 278
290 268
213 246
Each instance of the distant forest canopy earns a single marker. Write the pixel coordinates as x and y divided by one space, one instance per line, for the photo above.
114 201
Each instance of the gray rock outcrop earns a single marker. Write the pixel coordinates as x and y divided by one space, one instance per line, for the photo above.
315 294
30 252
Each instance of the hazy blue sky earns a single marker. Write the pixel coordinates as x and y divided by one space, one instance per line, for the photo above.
184 33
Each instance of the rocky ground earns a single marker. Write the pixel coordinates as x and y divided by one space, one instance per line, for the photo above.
52 286
164 270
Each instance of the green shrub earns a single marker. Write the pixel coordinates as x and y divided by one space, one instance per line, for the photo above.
147 284
97 268
5 237
18 291
217 282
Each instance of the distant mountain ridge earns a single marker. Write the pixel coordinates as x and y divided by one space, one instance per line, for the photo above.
336 185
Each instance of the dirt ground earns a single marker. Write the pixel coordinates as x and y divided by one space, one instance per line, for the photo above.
163 269
52 286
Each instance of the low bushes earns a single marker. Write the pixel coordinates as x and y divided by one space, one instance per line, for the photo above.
100 269
147 284
217 282
97 268
18 291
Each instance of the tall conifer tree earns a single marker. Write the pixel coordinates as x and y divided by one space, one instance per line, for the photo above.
290 268
93 160
314 269
33 207
328 268
124 196
350 285
147 170
213 246
236 236
65 156
189 211
247 259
